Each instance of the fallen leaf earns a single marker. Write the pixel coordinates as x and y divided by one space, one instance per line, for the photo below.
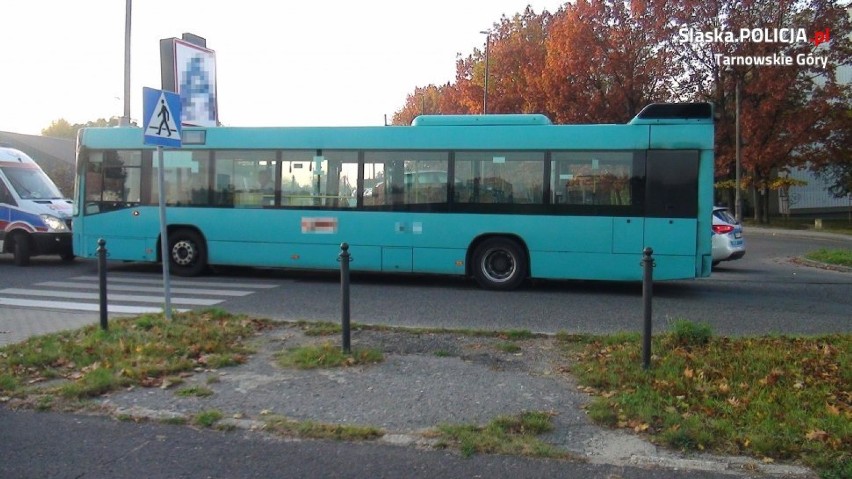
641 427
816 435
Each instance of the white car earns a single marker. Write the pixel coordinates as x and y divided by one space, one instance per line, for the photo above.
728 242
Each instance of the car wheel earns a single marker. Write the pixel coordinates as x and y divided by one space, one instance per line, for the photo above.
67 255
187 254
22 249
499 263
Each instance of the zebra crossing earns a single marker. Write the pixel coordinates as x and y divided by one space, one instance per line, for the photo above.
126 293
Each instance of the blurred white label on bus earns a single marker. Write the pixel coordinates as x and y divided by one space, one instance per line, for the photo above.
319 225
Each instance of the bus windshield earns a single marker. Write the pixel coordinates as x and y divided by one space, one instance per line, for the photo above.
32 184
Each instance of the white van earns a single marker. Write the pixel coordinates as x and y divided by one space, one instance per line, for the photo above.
35 219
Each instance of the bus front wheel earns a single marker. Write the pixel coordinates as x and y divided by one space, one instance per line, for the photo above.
187 256
499 263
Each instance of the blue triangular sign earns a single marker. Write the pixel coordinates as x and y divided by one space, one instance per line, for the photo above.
162 117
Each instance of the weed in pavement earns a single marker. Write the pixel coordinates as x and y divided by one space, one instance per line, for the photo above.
326 355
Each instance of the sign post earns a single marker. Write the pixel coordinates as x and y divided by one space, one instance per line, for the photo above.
162 127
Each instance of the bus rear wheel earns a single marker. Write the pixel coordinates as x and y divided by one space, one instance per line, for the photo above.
187 254
499 263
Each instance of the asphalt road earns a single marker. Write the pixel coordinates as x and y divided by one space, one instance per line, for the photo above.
65 446
764 292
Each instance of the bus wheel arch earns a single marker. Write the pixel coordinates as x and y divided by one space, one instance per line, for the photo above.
187 250
499 262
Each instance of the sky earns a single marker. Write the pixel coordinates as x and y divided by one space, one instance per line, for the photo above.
279 62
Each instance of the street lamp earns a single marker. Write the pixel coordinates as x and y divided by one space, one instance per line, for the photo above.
487 34
125 120
738 209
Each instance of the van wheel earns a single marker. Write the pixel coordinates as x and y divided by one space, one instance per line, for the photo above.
22 249
499 263
67 255
187 254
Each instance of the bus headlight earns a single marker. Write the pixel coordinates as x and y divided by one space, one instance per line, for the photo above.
54 223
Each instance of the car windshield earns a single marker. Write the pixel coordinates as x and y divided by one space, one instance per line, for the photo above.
32 184
726 216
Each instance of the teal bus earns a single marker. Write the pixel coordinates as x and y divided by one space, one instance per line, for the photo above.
500 198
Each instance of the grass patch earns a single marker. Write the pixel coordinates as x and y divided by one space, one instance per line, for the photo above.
688 334
772 397
504 435
316 430
174 421
840 257
321 328
326 355
207 418
509 347
140 351
516 334
194 391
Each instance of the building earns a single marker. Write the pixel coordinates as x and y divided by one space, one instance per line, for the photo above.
814 198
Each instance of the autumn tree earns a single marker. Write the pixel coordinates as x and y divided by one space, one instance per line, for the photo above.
597 61
787 109
516 57
836 164
61 128
606 60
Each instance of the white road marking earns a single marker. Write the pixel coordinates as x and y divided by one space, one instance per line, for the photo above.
111 308
178 282
144 289
113 297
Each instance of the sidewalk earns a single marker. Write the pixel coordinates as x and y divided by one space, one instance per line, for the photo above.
18 324
425 380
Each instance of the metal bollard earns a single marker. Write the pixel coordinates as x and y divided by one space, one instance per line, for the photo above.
647 294
344 259
102 286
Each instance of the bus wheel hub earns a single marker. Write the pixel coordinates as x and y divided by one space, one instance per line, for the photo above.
183 253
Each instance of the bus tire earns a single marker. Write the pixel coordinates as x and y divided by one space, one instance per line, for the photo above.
187 253
21 250
499 263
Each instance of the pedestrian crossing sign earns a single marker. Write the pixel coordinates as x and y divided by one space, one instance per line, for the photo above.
162 122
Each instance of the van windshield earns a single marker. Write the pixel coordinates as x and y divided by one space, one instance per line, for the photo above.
32 184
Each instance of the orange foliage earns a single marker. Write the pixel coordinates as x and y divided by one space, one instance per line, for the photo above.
601 61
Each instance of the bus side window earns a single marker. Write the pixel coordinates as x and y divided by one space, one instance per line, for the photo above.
592 178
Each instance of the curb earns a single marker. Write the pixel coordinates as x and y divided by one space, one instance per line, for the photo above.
798 233
817 264
729 465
